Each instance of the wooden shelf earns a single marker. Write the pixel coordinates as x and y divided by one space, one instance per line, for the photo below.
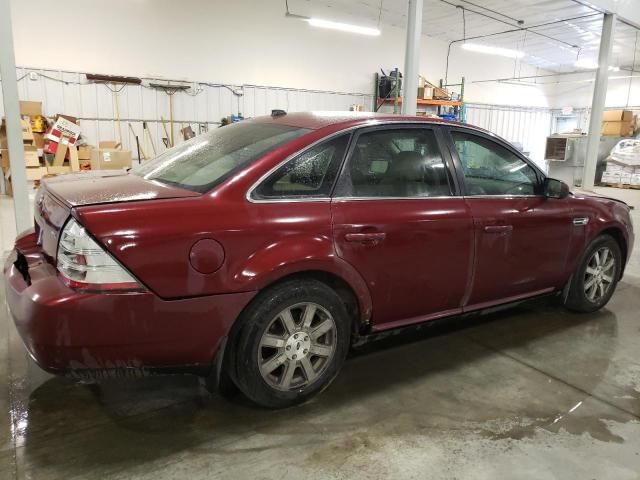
430 102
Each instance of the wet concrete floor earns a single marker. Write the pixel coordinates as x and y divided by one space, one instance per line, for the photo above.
534 392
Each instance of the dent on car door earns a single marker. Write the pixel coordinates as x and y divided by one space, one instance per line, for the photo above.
398 221
522 237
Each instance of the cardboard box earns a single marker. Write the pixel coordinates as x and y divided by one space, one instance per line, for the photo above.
425 93
67 117
109 144
64 131
38 140
617 116
31 158
51 170
4 158
110 159
30 109
84 152
617 129
35 173
27 134
438 92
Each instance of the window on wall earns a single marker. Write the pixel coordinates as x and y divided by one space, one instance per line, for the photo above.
310 174
567 124
491 169
397 163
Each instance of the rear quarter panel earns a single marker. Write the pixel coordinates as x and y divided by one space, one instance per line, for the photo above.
262 242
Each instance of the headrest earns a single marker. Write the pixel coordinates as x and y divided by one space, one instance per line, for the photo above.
408 166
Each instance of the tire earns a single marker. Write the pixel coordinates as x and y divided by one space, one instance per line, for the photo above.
581 297
306 346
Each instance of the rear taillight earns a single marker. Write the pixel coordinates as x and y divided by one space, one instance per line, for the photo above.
84 264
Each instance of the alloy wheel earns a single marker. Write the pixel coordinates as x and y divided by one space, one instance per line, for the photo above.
599 274
297 346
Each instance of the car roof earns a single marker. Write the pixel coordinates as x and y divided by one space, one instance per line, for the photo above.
317 120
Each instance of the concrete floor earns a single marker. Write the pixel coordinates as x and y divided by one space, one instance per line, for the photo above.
534 392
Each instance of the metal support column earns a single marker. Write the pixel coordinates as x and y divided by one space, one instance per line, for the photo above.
412 57
599 97
12 115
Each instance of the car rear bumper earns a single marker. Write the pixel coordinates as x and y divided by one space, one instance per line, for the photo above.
65 330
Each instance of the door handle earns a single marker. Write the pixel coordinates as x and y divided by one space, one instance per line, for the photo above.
498 228
372 237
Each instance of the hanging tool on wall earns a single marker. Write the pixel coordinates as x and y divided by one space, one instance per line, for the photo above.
166 139
170 90
116 109
146 133
140 149
115 84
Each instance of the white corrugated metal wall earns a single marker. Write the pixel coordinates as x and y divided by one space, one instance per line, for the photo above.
95 104
528 126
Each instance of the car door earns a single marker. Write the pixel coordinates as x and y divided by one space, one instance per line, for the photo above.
397 218
522 237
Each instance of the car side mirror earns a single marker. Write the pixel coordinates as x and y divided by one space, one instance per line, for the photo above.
555 188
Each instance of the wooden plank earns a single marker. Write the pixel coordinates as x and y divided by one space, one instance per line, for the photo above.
73 158
58 160
620 185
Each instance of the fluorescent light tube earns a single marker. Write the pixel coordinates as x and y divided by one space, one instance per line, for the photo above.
586 64
344 27
592 65
502 52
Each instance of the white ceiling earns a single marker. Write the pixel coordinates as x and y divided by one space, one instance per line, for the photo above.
578 25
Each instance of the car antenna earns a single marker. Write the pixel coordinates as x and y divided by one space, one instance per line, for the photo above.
276 112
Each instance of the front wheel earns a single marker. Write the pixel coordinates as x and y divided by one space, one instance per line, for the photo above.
293 340
596 277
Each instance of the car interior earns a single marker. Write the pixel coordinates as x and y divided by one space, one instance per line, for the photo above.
403 163
490 169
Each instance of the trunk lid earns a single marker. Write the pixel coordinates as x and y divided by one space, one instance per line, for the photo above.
58 195
91 188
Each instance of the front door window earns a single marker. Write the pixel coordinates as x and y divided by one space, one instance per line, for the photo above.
491 169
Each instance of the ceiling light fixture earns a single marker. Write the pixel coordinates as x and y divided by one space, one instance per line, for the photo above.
343 27
502 52
587 64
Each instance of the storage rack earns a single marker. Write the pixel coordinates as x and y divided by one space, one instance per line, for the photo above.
430 102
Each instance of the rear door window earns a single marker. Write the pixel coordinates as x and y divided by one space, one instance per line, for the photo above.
311 174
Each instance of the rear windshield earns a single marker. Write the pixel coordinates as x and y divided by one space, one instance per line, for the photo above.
207 160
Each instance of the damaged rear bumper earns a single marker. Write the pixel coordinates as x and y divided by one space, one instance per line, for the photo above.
127 333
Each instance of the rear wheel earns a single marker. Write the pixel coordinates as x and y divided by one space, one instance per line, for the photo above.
293 340
596 278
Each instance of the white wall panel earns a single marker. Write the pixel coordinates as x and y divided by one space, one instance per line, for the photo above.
94 104
68 92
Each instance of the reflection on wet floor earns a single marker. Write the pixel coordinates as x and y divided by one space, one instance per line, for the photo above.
534 392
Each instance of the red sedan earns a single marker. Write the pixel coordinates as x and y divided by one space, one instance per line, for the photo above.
258 253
